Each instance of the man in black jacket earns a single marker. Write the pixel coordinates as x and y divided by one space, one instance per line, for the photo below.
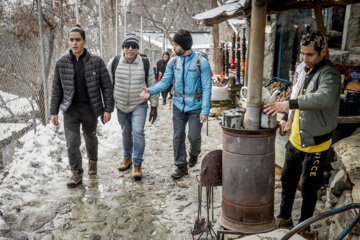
82 89
160 70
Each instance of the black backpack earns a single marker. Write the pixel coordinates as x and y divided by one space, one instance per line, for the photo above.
146 64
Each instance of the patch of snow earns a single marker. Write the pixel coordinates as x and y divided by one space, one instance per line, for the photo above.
6 129
15 103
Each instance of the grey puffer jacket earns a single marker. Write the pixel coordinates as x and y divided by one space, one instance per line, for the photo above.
98 83
129 78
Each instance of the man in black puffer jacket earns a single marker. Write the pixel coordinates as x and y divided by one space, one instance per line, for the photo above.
82 89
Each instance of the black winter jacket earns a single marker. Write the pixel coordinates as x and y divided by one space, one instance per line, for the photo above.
98 84
160 68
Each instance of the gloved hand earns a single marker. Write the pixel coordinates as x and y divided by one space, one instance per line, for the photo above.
153 114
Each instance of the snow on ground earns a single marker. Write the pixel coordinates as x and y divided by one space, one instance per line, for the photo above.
36 204
6 129
17 105
34 199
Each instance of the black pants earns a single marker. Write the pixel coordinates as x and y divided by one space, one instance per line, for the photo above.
180 119
165 93
80 114
310 167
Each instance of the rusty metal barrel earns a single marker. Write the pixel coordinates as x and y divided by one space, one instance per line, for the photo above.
248 173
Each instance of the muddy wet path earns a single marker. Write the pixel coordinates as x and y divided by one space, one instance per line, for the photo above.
36 204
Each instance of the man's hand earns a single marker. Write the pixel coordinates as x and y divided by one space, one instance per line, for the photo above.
203 118
106 117
274 108
281 129
145 93
153 114
55 120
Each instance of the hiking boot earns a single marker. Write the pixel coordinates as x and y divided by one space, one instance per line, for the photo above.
125 164
284 223
179 172
92 167
75 179
310 235
192 161
136 172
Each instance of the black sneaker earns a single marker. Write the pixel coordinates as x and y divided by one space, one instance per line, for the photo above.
192 161
180 172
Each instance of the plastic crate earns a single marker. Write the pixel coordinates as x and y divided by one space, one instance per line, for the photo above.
286 83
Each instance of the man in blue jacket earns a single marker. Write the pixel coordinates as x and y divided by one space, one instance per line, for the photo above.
192 94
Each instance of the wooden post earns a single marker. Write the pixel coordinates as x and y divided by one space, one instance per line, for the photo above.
215 35
319 19
345 29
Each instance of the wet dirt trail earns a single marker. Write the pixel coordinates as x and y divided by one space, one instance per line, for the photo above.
36 204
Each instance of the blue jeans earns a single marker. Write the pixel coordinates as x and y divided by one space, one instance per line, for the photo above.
133 136
180 119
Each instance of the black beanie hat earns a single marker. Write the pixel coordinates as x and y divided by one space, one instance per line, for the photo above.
183 39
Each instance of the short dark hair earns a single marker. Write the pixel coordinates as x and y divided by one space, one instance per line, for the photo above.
77 28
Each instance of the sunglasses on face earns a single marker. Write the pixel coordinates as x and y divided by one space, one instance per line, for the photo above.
133 46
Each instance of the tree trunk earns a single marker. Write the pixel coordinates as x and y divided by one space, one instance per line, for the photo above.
215 35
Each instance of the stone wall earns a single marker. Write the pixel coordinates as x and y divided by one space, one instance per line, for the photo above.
353 36
344 185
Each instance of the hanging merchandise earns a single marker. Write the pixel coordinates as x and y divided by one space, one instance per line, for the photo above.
226 63
232 67
243 55
294 53
238 59
222 59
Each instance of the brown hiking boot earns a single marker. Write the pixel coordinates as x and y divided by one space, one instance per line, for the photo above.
75 179
284 223
92 167
136 172
309 235
125 164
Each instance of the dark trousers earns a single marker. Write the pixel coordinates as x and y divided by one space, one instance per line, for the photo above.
180 119
308 165
165 93
80 114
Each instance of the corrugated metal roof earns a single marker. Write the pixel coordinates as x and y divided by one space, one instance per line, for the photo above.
229 8
242 8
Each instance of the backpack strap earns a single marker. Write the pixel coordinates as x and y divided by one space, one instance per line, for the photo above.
146 64
174 62
114 66
198 65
